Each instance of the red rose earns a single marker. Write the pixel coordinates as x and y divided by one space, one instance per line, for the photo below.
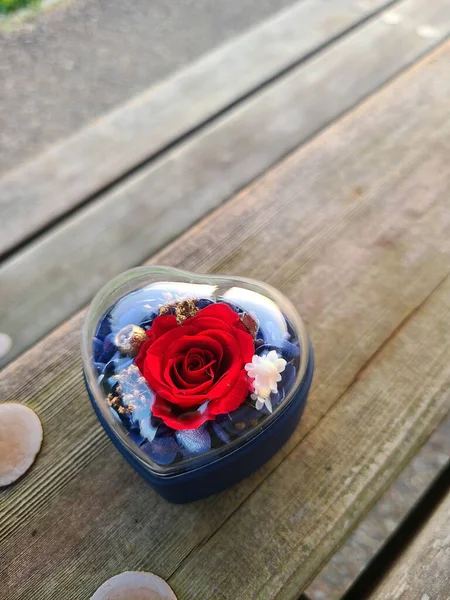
198 364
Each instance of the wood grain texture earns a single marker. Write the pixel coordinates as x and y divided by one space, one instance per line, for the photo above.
422 572
70 172
278 539
372 536
355 228
65 268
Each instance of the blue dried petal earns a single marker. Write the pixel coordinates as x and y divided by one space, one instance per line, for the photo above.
109 348
117 364
201 409
258 343
266 348
234 307
99 366
126 420
163 429
103 329
220 432
115 415
259 337
163 450
194 441
288 377
290 351
276 398
97 348
203 303
136 436
147 322
131 317
285 349
240 419
142 420
272 333
109 369
122 362
138 315
148 430
112 383
291 331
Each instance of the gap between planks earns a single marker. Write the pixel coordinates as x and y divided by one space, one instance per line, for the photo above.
121 229
422 570
88 163
367 257
365 554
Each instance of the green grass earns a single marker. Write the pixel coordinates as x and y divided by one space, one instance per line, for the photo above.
9 6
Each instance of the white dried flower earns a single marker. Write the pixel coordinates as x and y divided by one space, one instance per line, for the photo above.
265 371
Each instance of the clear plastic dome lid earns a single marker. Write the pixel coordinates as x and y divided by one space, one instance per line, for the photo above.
184 368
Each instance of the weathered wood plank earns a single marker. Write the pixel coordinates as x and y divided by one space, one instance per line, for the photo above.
65 268
371 537
358 245
70 172
278 539
423 570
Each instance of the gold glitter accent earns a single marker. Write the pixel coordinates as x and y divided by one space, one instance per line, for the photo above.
130 339
113 401
116 402
184 309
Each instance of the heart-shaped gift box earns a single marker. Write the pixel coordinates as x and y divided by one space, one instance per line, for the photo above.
197 379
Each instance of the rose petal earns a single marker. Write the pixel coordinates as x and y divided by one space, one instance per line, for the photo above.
197 363
246 345
234 397
201 341
202 323
162 325
179 385
151 359
188 420
219 311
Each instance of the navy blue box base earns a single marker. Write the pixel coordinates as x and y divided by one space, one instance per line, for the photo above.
226 471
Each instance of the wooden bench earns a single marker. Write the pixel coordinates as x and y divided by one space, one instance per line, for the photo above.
423 570
353 226
190 144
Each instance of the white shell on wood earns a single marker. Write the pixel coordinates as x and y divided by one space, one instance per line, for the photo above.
134 585
20 440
